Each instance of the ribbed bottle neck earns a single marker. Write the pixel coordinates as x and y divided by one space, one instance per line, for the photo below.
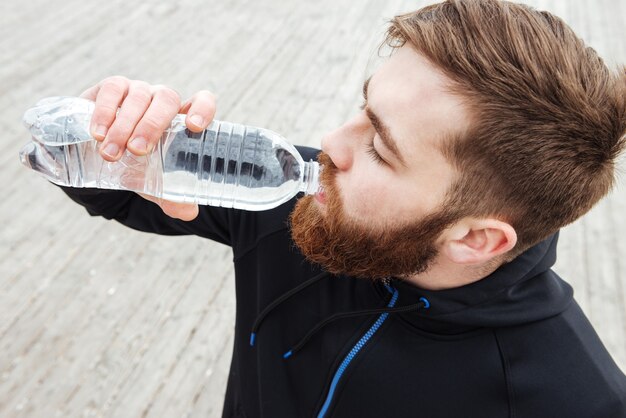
310 180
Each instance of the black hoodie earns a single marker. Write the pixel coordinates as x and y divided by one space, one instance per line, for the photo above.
514 344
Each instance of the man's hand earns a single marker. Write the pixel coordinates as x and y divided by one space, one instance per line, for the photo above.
145 112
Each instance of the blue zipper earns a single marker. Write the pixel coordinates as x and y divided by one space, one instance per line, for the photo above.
355 350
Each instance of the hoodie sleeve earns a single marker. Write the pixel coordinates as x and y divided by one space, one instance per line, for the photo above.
135 212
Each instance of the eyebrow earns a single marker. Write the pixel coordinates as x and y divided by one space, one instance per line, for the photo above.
381 128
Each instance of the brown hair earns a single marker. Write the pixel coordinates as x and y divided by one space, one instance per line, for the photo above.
548 117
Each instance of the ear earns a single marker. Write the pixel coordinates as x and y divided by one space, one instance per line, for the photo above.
476 241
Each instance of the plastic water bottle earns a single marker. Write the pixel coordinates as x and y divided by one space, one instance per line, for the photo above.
228 164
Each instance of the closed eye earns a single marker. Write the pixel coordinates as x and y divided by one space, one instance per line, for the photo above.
371 151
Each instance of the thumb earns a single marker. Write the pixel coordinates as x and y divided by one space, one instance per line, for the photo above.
183 211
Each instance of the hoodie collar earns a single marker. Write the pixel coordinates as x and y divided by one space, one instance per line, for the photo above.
521 291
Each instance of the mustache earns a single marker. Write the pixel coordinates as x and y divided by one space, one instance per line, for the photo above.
325 160
328 170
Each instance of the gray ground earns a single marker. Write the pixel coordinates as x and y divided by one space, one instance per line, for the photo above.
99 320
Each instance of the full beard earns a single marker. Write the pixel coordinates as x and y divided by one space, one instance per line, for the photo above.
343 246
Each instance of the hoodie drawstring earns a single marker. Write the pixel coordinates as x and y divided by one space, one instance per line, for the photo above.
281 299
422 304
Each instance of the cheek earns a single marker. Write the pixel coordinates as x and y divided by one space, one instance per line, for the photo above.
366 196
378 199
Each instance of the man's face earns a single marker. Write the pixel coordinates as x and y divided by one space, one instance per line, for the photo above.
380 214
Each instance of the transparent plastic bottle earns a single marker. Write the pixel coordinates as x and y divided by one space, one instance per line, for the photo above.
228 164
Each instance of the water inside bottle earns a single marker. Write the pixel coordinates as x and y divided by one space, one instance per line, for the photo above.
231 165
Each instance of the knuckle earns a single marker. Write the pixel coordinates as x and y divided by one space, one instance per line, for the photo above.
140 84
112 87
116 79
115 84
140 96
206 94
151 125
171 97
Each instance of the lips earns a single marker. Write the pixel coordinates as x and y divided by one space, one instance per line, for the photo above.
320 196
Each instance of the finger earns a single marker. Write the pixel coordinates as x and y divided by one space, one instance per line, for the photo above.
109 96
157 118
200 110
134 106
91 93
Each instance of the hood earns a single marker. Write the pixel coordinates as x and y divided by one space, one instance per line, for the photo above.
521 291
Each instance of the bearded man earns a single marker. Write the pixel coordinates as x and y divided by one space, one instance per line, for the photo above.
420 282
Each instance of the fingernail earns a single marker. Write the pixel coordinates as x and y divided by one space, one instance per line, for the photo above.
196 120
101 130
140 144
111 150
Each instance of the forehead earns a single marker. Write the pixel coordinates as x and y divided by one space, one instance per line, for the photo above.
410 95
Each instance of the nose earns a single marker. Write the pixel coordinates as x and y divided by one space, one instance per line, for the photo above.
341 143
337 149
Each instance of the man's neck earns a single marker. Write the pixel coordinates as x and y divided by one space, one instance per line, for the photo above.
444 274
